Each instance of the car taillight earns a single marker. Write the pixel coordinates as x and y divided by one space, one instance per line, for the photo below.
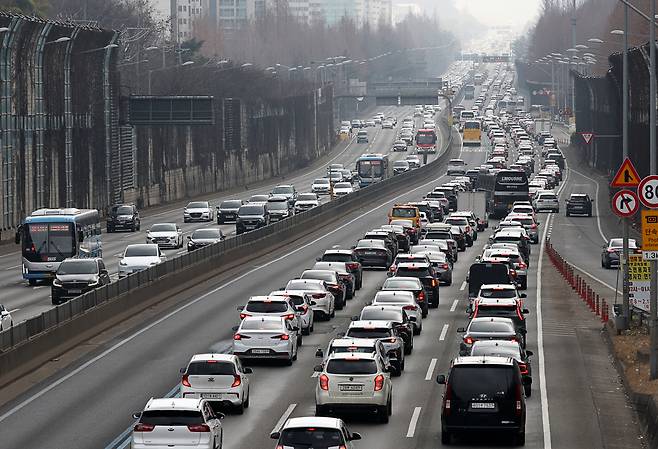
512 272
289 316
522 265
198 428
237 380
333 285
434 283
390 340
303 309
468 340
284 337
446 400
445 266
409 307
533 226
186 381
324 382
612 250
421 296
240 337
379 382
318 295
468 229
392 268
519 399
352 266
139 427
524 368
244 315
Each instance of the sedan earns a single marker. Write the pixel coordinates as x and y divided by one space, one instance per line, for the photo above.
413 160
321 186
373 253
324 303
198 211
337 286
405 300
343 188
204 237
409 284
611 251
165 235
266 337
139 257
349 258
227 211
488 328
394 313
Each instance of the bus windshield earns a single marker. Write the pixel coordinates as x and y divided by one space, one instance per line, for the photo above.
372 168
426 138
472 124
48 242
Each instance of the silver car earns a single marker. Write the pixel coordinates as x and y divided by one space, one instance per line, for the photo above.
404 299
303 304
280 306
198 211
165 235
266 337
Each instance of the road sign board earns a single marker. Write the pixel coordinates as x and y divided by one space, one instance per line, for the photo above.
587 137
639 280
650 230
649 255
647 190
625 203
626 175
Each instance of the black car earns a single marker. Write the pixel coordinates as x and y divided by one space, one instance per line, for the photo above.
579 204
424 206
409 284
204 237
349 258
425 273
373 253
483 394
77 276
504 348
388 237
250 217
450 194
227 211
123 216
394 314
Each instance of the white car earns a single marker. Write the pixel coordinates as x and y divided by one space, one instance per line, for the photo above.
160 425
266 337
139 257
404 299
198 211
353 380
165 235
306 201
218 378
304 305
324 300
6 320
312 431
321 186
546 201
456 167
343 188
279 306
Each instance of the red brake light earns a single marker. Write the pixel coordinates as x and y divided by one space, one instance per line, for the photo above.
522 265
379 382
445 266
237 380
524 368
324 382
352 266
289 316
533 226
409 307
186 381
434 282
468 340
244 315
198 428
421 296
303 308
612 250
240 337
390 340
139 427
282 337
318 295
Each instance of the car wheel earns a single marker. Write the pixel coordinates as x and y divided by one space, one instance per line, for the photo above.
519 439
312 328
300 340
425 313
589 214
408 349
32 282
449 282
524 284
383 414
446 437
306 331
109 230
239 409
418 330
402 364
567 213
294 356
289 361
528 390
333 314
320 411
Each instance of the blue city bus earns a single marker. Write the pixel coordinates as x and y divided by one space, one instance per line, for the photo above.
372 168
48 236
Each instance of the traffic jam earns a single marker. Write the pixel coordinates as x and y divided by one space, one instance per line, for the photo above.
418 247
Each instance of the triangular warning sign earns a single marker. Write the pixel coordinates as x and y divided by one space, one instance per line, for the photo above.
626 175
587 137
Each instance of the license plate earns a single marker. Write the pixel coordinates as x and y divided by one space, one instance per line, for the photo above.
351 387
75 291
212 396
260 351
370 253
250 226
483 405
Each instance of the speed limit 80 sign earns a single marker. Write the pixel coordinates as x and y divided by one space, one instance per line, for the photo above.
647 190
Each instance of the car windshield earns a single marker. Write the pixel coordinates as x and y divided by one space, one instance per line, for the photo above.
206 234
488 326
171 417
311 437
497 293
266 306
618 243
78 267
261 325
470 382
321 181
379 314
399 284
307 197
231 204
122 210
211 368
343 185
368 332
141 251
250 210
352 366
277 205
197 205
163 227
283 190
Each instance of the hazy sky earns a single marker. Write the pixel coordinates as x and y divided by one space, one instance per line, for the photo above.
502 12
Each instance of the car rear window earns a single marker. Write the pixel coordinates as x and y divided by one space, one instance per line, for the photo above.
352 366
488 326
402 285
497 311
337 258
470 382
413 272
497 293
384 315
266 306
314 437
171 417
262 325
374 332
211 368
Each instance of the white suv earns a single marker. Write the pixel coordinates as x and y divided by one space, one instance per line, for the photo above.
546 201
177 422
281 306
218 378
456 167
315 431
353 381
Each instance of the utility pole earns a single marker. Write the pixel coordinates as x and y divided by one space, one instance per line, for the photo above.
626 312
653 357
574 21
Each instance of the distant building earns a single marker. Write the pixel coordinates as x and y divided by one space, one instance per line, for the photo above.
184 13
361 12
402 10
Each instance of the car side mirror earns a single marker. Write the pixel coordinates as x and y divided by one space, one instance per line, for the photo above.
319 353
137 415
17 236
275 435
318 259
353 247
182 370
523 295
313 303
389 274
340 334
525 311
247 370
461 330
441 379
239 308
529 353
317 368
355 318
355 436
189 237
413 319
235 328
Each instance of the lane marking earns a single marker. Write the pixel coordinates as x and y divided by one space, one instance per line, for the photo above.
414 421
12 268
176 311
444 331
14 310
454 305
546 426
284 418
463 287
596 203
315 374
430 369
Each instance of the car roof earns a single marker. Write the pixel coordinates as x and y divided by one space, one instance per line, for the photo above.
482 360
174 404
352 355
347 341
313 421
213 356
498 286
263 318
413 265
370 324
502 302
492 319
263 298
338 251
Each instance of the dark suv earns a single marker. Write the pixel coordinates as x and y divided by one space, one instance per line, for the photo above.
77 276
579 204
123 216
483 394
250 217
427 276
228 211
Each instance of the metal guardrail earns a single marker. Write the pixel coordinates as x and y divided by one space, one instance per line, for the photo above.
13 338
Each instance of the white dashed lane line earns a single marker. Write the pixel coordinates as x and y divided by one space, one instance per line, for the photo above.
444 331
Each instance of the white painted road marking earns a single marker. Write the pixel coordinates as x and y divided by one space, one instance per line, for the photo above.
444 331
430 370
14 310
414 421
454 305
463 287
284 418
12 268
